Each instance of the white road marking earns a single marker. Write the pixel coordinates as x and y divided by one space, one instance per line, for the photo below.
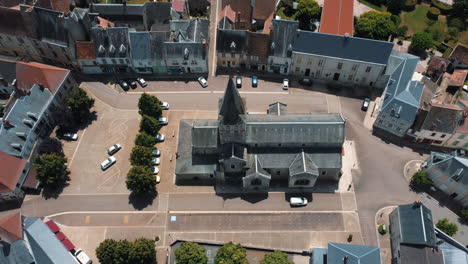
262 212
203 92
76 149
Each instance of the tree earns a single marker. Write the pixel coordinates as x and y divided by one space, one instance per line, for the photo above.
459 8
80 103
231 253
142 251
306 10
149 125
2 110
141 156
51 169
421 178
140 180
149 105
447 227
111 251
145 140
191 253
401 31
374 25
276 257
464 213
421 41
395 6
51 145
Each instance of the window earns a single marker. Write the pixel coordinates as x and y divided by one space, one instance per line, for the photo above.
368 69
350 77
233 55
354 67
299 59
340 65
297 69
302 182
455 143
224 62
256 182
433 134
320 63
233 166
309 62
114 61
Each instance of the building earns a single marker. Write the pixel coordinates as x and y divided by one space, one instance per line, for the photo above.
283 36
452 250
459 57
337 17
340 59
449 173
12 176
437 66
7 76
459 139
346 253
253 152
412 235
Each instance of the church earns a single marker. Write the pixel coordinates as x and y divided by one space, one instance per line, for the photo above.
256 152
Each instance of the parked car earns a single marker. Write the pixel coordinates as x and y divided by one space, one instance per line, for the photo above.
160 137
124 85
156 152
254 81
156 161
165 105
163 120
298 201
365 104
239 82
82 257
203 82
465 88
114 149
285 84
306 81
108 162
154 170
158 179
132 84
70 136
142 82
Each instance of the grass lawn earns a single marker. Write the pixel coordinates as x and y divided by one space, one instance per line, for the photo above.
463 37
371 5
281 14
416 20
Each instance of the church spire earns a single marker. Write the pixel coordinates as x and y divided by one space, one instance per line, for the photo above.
232 105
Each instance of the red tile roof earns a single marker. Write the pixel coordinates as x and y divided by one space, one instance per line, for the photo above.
61 236
178 5
337 17
267 25
242 7
52 226
11 228
104 23
85 50
437 64
229 13
264 8
30 73
57 5
458 78
460 53
11 169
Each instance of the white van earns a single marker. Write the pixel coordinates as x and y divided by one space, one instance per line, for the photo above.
82 257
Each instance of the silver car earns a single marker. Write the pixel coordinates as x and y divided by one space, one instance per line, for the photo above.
203 82
114 149
160 137
70 136
285 84
163 121
165 105
156 161
298 201
108 162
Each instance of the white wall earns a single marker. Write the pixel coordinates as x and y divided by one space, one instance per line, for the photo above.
458 141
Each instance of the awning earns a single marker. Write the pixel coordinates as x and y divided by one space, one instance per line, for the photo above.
61 236
68 244
52 226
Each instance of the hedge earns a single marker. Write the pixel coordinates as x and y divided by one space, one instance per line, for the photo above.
410 5
444 8
433 13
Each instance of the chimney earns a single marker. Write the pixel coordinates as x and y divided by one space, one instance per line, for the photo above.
345 259
238 17
346 35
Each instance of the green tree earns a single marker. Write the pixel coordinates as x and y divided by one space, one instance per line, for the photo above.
142 251
190 253
459 9
374 25
111 251
141 156
421 41
457 22
464 213
421 178
51 169
231 253
395 6
401 31
80 103
276 257
145 140
149 105
447 227
140 180
149 125
306 10
2 110
51 145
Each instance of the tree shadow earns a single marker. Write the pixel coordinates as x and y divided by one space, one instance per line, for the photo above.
87 120
54 190
141 201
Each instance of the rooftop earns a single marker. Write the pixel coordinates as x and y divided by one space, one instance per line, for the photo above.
85 50
357 254
30 73
458 78
416 225
10 173
460 53
11 228
442 118
337 17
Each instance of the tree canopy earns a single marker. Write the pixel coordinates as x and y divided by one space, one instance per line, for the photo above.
421 41
51 168
141 156
149 105
374 25
190 253
145 140
276 257
141 251
447 227
421 178
395 6
149 125
80 103
306 10
231 253
51 145
140 180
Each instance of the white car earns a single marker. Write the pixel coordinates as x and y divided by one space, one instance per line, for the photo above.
114 149
165 105
108 162
158 179
156 152
142 82
70 136
298 201
160 137
156 161
203 82
163 120
154 170
285 84
82 257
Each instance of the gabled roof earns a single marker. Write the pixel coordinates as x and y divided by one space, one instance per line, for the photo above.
283 32
232 105
30 73
452 167
57 5
337 17
357 254
303 163
11 228
179 5
242 7
255 169
205 133
460 54
351 48
140 44
10 172
228 13
232 41
264 8
415 225
13 23
442 118
278 108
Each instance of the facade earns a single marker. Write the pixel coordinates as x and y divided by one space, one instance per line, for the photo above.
459 139
346 253
280 59
449 173
412 235
256 152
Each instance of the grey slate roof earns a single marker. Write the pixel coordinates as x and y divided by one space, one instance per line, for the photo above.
277 159
337 46
157 15
7 71
232 105
453 251
157 39
205 134
109 39
443 119
18 253
195 30
283 32
140 45
420 255
416 225
451 166
303 163
256 170
357 254
232 41
318 256
49 28
117 9
278 108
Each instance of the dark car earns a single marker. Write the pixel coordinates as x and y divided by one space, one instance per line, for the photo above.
239 82
124 85
132 84
305 81
365 104
254 81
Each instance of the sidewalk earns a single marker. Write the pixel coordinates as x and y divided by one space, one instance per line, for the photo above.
382 218
349 163
372 113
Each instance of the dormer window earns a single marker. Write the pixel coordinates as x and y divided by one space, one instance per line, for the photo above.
186 54
112 49
28 122
101 50
32 115
233 46
16 146
21 135
122 50
289 50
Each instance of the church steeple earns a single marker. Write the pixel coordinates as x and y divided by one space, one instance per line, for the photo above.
231 106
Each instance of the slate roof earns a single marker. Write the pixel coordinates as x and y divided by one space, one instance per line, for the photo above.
117 9
351 48
193 30
264 8
357 254
282 158
442 118
453 251
17 253
460 54
30 73
115 37
140 44
50 26
420 255
85 50
57 5
205 134
283 32
12 167
11 228
337 17
278 108
13 23
416 225
232 105
303 163
157 15
7 71
255 169
450 166
157 39
232 41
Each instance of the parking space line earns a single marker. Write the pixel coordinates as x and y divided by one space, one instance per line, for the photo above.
88 219
125 219
76 149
